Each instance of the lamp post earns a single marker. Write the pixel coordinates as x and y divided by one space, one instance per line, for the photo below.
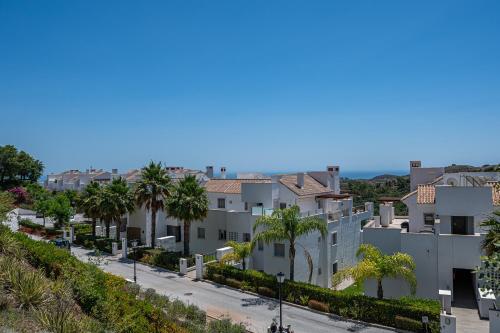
134 244
281 277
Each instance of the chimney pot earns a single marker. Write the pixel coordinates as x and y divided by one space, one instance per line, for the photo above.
210 171
223 172
300 179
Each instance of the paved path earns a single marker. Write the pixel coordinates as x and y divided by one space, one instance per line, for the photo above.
253 311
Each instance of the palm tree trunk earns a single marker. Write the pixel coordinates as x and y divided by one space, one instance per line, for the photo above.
292 261
93 226
380 290
107 228
187 225
118 227
153 226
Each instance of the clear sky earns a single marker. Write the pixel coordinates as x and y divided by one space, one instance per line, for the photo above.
252 85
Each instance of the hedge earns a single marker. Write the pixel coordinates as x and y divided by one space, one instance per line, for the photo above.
359 307
102 243
30 224
158 257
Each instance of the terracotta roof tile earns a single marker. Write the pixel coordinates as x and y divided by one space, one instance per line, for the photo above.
311 185
231 186
426 194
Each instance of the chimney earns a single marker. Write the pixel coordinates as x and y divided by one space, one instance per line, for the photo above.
333 178
415 164
114 171
300 179
210 171
223 172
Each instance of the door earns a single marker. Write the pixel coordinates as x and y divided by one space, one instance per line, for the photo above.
459 225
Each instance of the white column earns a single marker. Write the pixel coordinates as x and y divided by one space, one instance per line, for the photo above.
199 266
124 248
448 323
114 248
494 316
65 233
183 266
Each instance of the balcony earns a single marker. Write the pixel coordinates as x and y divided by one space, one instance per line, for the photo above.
464 250
260 211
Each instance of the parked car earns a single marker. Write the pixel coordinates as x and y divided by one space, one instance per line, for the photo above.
61 243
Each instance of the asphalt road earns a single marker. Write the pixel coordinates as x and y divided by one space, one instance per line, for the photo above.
253 311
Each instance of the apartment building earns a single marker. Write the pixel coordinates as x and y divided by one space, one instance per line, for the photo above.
442 231
77 180
235 205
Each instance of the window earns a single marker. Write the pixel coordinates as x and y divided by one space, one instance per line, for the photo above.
334 268
260 245
221 203
279 250
282 205
233 236
173 230
429 219
334 238
246 237
201 233
246 205
319 270
222 234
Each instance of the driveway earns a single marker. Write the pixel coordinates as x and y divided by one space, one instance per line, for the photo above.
253 311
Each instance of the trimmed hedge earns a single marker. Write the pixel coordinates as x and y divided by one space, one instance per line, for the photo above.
27 223
348 305
318 306
409 324
158 257
102 243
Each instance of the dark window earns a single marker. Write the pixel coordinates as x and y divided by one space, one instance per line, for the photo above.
221 203
222 234
260 245
233 236
459 225
246 205
173 230
246 237
279 250
334 268
201 233
282 205
334 238
429 219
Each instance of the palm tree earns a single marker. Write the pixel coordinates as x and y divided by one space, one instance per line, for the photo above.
188 203
240 252
375 265
89 203
152 191
125 201
287 225
107 206
491 242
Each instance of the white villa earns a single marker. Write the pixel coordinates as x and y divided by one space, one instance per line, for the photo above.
442 233
235 204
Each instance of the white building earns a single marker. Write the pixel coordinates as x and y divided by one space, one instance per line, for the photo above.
78 180
442 231
235 205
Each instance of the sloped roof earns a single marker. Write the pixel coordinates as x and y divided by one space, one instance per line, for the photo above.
311 185
231 186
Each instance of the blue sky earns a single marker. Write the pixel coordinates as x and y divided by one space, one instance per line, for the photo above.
252 85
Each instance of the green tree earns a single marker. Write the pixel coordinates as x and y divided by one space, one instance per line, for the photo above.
491 242
124 201
42 206
188 203
72 196
287 225
18 167
152 191
60 210
88 203
108 209
375 265
241 251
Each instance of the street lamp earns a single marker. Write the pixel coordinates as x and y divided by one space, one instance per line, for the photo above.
134 244
281 277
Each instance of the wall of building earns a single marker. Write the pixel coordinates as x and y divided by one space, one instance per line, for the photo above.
419 176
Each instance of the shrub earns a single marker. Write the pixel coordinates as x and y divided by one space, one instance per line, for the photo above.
348 304
408 324
233 283
320 306
27 223
265 291
219 278
246 286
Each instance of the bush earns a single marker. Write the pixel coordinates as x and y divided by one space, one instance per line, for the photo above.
265 291
158 257
219 278
408 324
30 224
233 283
318 306
349 304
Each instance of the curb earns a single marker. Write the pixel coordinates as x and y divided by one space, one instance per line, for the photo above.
331 315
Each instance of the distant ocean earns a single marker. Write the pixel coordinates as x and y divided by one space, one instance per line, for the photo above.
343 174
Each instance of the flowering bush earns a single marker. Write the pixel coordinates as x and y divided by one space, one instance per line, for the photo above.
19 194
